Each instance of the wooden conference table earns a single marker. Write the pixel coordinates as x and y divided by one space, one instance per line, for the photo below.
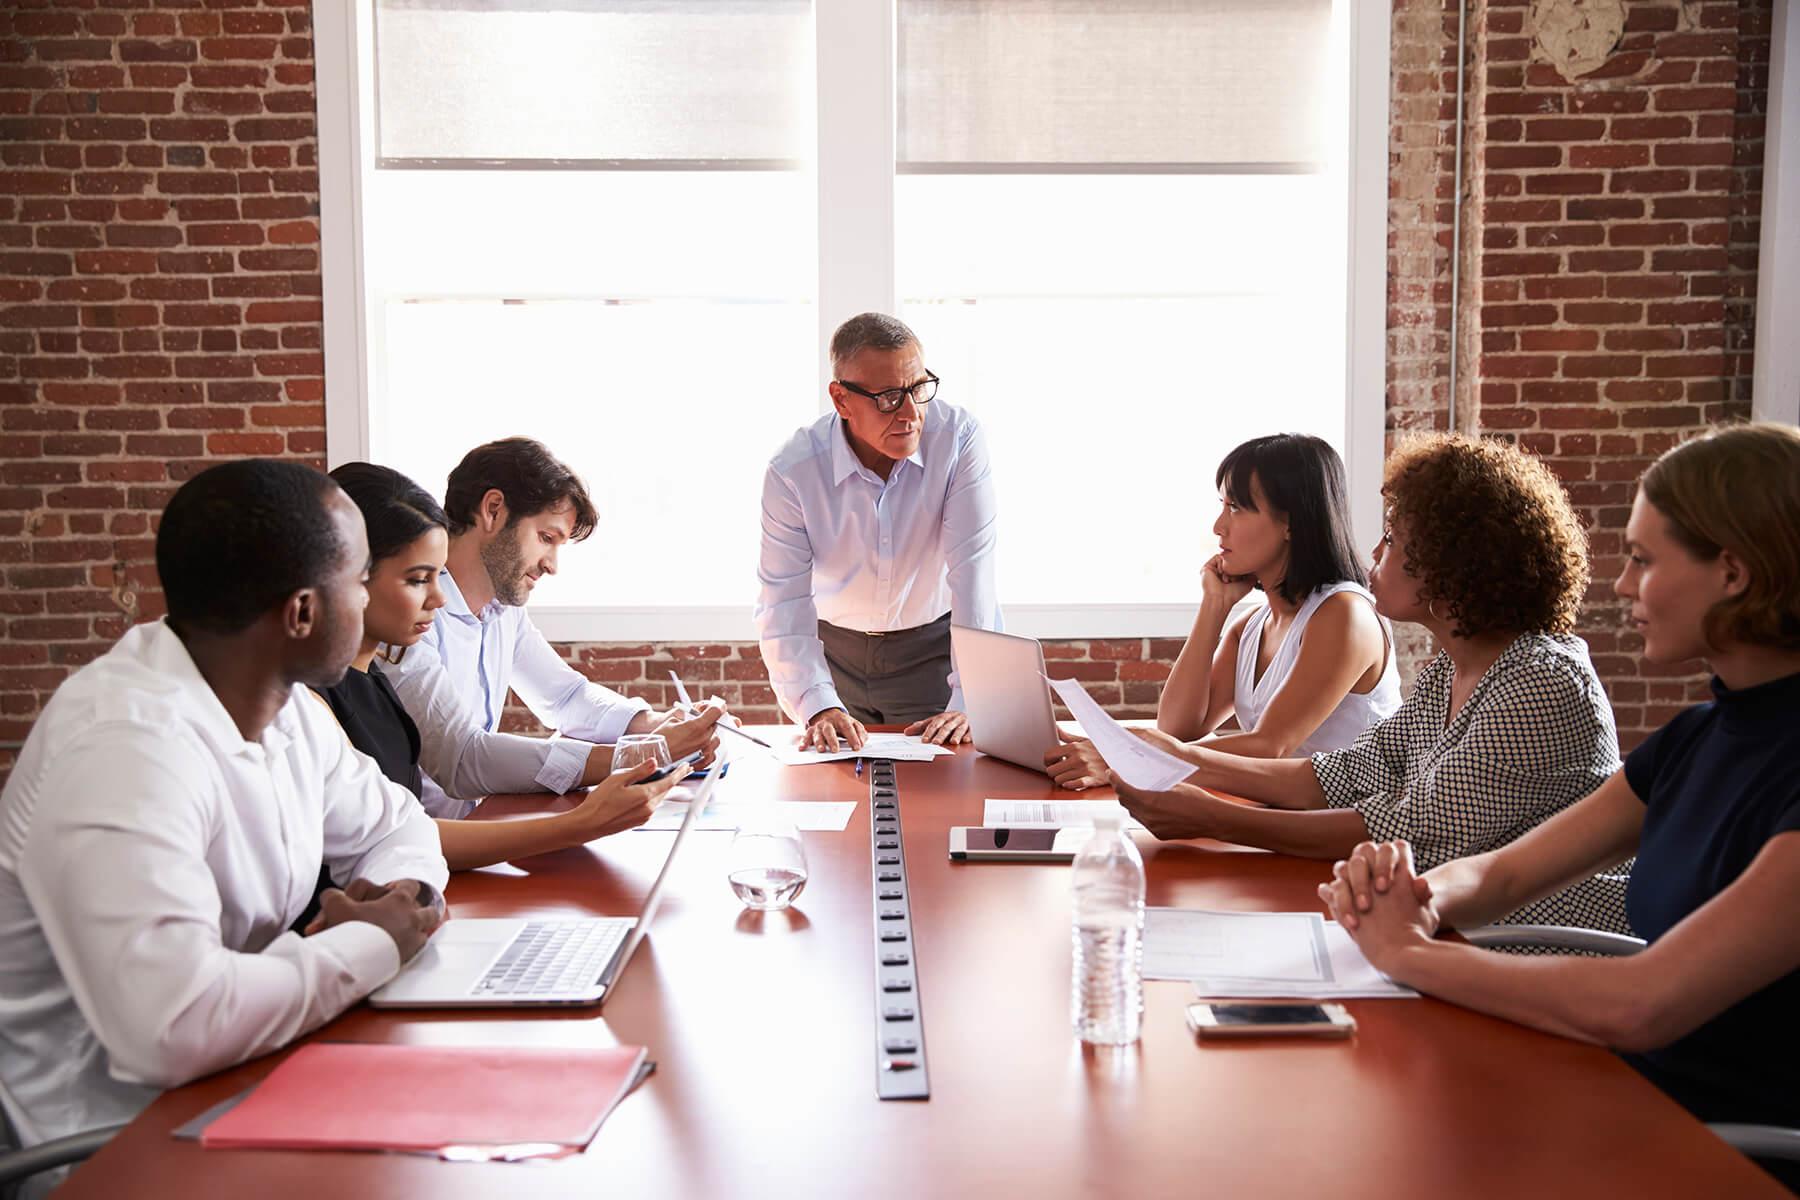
762 1031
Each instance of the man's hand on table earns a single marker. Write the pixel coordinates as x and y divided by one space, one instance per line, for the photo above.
945 729
406 910
829 727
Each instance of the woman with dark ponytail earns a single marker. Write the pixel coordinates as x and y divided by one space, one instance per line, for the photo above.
407 545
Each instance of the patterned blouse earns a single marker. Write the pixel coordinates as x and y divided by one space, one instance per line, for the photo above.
1534 736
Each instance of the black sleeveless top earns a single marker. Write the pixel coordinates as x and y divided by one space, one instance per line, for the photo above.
370 711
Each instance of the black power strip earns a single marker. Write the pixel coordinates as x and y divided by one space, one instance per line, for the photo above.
900 1072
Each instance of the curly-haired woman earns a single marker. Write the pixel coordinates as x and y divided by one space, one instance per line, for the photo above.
1710 803
1507 726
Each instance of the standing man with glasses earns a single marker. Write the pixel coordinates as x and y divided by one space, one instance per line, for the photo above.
878 525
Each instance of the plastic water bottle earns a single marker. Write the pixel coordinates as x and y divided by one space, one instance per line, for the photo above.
1106 992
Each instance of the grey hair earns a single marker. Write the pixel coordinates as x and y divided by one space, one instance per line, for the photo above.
869 331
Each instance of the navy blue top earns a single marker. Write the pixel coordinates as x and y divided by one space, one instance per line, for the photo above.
1717 783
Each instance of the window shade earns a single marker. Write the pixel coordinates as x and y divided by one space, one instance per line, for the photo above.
593 82
1067 84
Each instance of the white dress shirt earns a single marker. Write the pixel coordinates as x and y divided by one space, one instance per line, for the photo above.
454 681
151 861
840 543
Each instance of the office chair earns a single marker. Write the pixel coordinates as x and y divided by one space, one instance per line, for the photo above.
16 1165
1753 1141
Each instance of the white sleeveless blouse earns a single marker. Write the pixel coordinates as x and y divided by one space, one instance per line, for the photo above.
1352 715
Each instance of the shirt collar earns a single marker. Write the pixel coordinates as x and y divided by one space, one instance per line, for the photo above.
844 462
1768 705
168 655
457 605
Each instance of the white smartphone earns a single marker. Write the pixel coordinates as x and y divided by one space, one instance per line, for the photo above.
1266 1018
979 843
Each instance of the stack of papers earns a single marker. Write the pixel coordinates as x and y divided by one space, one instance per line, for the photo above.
1144 766
897 746
1253 955
1052 814
824 816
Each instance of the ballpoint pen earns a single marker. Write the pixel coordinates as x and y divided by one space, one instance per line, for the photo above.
859 768
690 708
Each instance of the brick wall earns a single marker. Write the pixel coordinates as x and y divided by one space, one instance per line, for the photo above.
159 292
159 298
1612 249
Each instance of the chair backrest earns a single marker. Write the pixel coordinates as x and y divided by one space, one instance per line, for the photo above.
18 1165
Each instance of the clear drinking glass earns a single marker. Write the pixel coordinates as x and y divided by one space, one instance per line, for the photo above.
767 867
635 748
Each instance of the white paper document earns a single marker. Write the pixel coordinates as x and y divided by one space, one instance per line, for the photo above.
897 746
1240 955
814 816
1134 760
1057 814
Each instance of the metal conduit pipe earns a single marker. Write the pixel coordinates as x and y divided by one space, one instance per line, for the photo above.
1462 54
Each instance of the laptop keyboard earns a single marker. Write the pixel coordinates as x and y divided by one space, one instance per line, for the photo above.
552 957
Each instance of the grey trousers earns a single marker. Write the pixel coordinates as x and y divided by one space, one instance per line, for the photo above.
890 678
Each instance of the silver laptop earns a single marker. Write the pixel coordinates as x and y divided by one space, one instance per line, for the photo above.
1008 703
480 963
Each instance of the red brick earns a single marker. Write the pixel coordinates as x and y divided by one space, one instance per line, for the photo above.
1650 128
1571 183
1689 99
1694 154
1628 155
1087 672
1601 366
1602 313
1559 391
1559 340
1565 129
1648 234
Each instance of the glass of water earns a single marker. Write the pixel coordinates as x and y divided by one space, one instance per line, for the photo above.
635 748
767 865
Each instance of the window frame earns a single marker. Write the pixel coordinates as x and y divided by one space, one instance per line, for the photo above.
857 143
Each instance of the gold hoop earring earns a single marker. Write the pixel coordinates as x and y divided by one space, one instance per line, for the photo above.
1431 607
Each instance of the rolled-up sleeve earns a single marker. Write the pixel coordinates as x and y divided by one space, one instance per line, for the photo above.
787 620
565 699
457 750
374 828
118 879
970 525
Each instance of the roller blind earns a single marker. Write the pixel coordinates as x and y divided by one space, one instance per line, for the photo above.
1229 85
593 83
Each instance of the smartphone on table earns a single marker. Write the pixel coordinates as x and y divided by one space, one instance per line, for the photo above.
1269 1018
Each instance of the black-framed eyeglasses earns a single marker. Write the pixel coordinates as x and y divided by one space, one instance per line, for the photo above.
891 400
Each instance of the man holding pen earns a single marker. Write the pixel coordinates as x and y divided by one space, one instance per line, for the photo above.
512 507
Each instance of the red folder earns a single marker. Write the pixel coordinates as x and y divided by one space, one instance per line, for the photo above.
341 1096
